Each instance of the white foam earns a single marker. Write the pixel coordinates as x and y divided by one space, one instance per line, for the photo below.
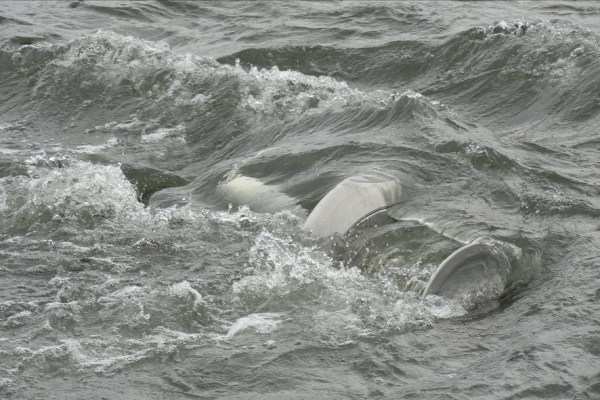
5 382
17 319
108 354
163 133
271 92
349 302
10 151
184 289
262 323
74 189
93 149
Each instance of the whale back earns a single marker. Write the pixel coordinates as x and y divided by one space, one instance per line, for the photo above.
483 260
242 190
352 200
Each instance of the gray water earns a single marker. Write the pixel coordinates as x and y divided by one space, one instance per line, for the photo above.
159 158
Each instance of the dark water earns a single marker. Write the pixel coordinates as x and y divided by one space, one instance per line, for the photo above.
158 160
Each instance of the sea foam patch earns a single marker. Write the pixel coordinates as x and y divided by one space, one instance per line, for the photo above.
306 284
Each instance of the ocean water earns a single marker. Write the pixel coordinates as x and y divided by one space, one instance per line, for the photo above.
158 160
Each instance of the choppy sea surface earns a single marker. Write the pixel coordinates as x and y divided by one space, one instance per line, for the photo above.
159 158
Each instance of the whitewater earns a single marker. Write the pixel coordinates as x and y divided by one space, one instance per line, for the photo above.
159 160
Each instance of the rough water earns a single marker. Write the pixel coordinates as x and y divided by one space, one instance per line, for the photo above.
159 158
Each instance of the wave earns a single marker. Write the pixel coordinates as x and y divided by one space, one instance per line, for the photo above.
135 88
503 71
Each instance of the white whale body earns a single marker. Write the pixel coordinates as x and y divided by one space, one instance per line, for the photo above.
241 190
352 200
482 260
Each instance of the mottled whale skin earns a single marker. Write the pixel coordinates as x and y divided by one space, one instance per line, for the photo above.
354 199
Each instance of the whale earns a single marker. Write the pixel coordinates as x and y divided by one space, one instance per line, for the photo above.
484 259
481 259
239 190
354 199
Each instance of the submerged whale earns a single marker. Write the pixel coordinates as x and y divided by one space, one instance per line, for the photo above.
241 190
482 258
